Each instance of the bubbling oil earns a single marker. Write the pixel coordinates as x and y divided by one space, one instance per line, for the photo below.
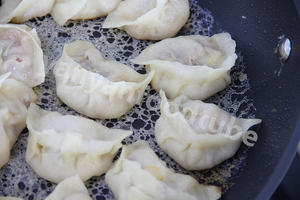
18 179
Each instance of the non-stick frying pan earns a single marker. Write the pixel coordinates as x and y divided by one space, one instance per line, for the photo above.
277 98
275 90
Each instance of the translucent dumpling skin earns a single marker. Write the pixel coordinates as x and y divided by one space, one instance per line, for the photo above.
97 87
61 146
149 19
81 9
196 66
140 175
198 135
70 189
20 11
15 98
21 54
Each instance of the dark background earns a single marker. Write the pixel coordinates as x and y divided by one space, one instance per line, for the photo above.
290 186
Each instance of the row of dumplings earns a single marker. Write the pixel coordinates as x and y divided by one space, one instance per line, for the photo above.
185 70
195 66
138 175
21 68
142 19
61 150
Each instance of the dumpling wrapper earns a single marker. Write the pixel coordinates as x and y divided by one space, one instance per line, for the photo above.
71 188
21 54
140 175
81 9
19 11
196 66
96 87
15 98
149 19
198 135
61 146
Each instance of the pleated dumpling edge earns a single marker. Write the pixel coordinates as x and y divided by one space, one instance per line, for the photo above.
96 87
140 174
198 135
60 146
149 19
196 66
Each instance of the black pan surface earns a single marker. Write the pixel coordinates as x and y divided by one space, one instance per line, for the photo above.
256 25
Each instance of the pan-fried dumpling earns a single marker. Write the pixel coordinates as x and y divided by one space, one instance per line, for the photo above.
21 54
198 135
149 19
96 87
9 198
15 97
70 189
140 175
19 11
196 66
81 9
61 146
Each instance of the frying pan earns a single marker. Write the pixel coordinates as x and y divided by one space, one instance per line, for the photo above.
275 88
268 161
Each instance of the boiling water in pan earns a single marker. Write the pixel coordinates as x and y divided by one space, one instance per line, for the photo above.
18 179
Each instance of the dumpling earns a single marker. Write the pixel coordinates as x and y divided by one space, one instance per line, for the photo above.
61 146
198 135
81 9
21 54
96 87
149 19
9 198
19 11
70 189
15 98
196 66
140 175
